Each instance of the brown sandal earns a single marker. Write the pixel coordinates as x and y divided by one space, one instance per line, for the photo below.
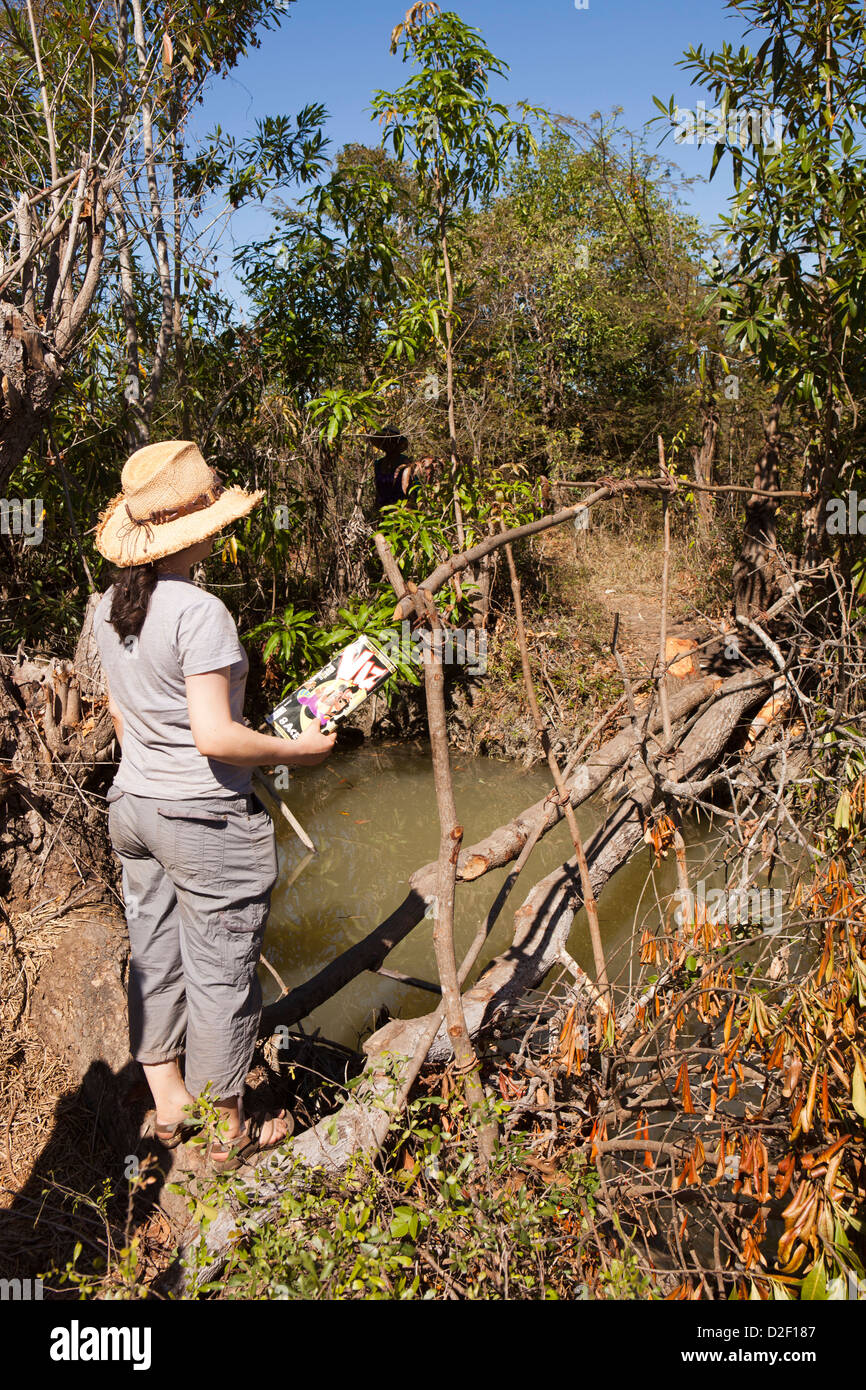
170 1135
228 1156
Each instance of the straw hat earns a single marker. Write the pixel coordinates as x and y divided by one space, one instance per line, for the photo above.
171 499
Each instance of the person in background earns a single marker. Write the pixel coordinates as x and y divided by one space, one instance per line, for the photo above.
393 468
197 851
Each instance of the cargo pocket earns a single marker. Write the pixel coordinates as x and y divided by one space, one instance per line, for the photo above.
247 919
241 931
263 842
196 839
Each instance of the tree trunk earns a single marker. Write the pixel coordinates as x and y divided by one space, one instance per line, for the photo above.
820 478
449 386
32 360
138 424
31 375
754 572
703 462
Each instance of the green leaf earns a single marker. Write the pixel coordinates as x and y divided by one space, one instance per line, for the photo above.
858 1090
813 1289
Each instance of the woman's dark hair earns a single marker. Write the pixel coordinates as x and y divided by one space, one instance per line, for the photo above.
130 598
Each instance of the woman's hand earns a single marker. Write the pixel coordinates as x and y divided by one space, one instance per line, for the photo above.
219 736
311 747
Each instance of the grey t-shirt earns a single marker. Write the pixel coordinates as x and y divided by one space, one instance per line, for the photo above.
187 631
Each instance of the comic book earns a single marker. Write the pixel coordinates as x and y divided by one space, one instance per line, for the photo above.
335 691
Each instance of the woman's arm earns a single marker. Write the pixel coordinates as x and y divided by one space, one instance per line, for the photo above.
217 735
116 716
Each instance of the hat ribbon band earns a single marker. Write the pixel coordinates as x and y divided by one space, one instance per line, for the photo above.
198 504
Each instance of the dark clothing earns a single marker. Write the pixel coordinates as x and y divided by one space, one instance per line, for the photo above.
389 487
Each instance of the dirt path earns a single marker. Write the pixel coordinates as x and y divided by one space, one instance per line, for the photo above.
616 573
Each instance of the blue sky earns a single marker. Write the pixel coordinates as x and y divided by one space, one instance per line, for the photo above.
572 61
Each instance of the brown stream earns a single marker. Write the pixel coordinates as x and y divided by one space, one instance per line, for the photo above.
371 812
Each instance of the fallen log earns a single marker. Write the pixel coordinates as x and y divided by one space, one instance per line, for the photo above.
543 922
500 847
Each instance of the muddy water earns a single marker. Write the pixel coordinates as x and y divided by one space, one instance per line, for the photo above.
372 814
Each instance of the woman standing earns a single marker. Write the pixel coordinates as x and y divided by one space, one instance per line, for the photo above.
198 853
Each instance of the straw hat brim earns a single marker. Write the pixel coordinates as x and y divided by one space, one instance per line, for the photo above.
125 544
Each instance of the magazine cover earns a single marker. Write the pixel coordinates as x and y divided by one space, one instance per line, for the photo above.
334 691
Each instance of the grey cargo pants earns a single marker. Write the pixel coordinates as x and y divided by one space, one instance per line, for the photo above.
197 880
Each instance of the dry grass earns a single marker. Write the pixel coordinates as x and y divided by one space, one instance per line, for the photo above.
49 1150
616 566
31 1079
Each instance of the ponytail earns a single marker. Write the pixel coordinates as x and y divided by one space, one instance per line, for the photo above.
130 597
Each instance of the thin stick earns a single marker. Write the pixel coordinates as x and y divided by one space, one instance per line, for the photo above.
535 835
676 819
627 686
776 654
299 868
42 193
56 456
704 487
270 795
663 621
401 979
43 92
389 565
674 813
450 837
562 792
284 989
